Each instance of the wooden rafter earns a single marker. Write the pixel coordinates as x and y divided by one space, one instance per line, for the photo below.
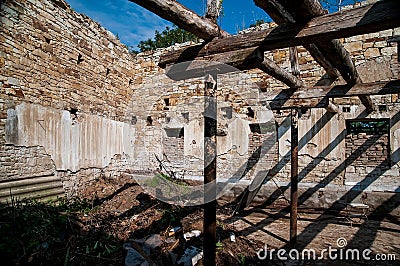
366 19
281 16
317 96
269 67
183 17
207 28
279 12
332 50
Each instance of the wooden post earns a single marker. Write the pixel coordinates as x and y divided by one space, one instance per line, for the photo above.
294 177
213 10
294 61
210 166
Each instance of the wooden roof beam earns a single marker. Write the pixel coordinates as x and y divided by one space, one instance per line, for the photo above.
280 15
272 69
366 19
237 60
183 17
318 96
337 57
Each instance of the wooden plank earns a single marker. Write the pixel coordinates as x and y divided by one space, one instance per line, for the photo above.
286 97
366 19
275 10
307 8
183 17
322 61
216 64
231 62
332 50
281 16
290 103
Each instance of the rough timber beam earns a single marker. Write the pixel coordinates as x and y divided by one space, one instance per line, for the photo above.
366 19
304 10
317 96
277 11
183 17
272 69
281 16
241 60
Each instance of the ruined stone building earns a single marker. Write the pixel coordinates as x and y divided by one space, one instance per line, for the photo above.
76 106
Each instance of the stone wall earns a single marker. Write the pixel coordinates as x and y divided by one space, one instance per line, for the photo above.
75 103
64 81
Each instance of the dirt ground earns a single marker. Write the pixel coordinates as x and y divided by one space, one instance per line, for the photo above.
137 215
121 216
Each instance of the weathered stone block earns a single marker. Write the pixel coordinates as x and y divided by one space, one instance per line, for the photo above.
354 46
372 53
389 51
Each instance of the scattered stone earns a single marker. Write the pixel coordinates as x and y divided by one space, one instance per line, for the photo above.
191 257
134 258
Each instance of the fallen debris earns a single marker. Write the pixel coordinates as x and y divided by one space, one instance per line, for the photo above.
191 256
149 243
174 231
232 237
134 258
193 233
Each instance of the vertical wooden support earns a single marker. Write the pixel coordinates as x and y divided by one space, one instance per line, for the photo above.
294 177
294 61
210 165
213 9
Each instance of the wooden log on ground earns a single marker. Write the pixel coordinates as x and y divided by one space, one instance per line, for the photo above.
366 19
183 18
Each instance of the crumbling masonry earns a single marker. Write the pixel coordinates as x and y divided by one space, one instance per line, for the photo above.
75 106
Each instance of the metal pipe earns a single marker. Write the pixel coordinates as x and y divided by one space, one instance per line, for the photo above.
294 177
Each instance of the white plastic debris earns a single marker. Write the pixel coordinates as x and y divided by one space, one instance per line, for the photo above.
193 233
232 237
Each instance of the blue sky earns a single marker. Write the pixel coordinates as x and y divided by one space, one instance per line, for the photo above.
133 23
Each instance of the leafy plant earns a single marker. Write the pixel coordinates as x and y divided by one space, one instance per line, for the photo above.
242 259
167 37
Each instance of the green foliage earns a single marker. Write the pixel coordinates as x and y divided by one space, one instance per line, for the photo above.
242 259
32 231
169 36
257 23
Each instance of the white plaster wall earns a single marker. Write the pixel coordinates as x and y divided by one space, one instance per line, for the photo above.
84 142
